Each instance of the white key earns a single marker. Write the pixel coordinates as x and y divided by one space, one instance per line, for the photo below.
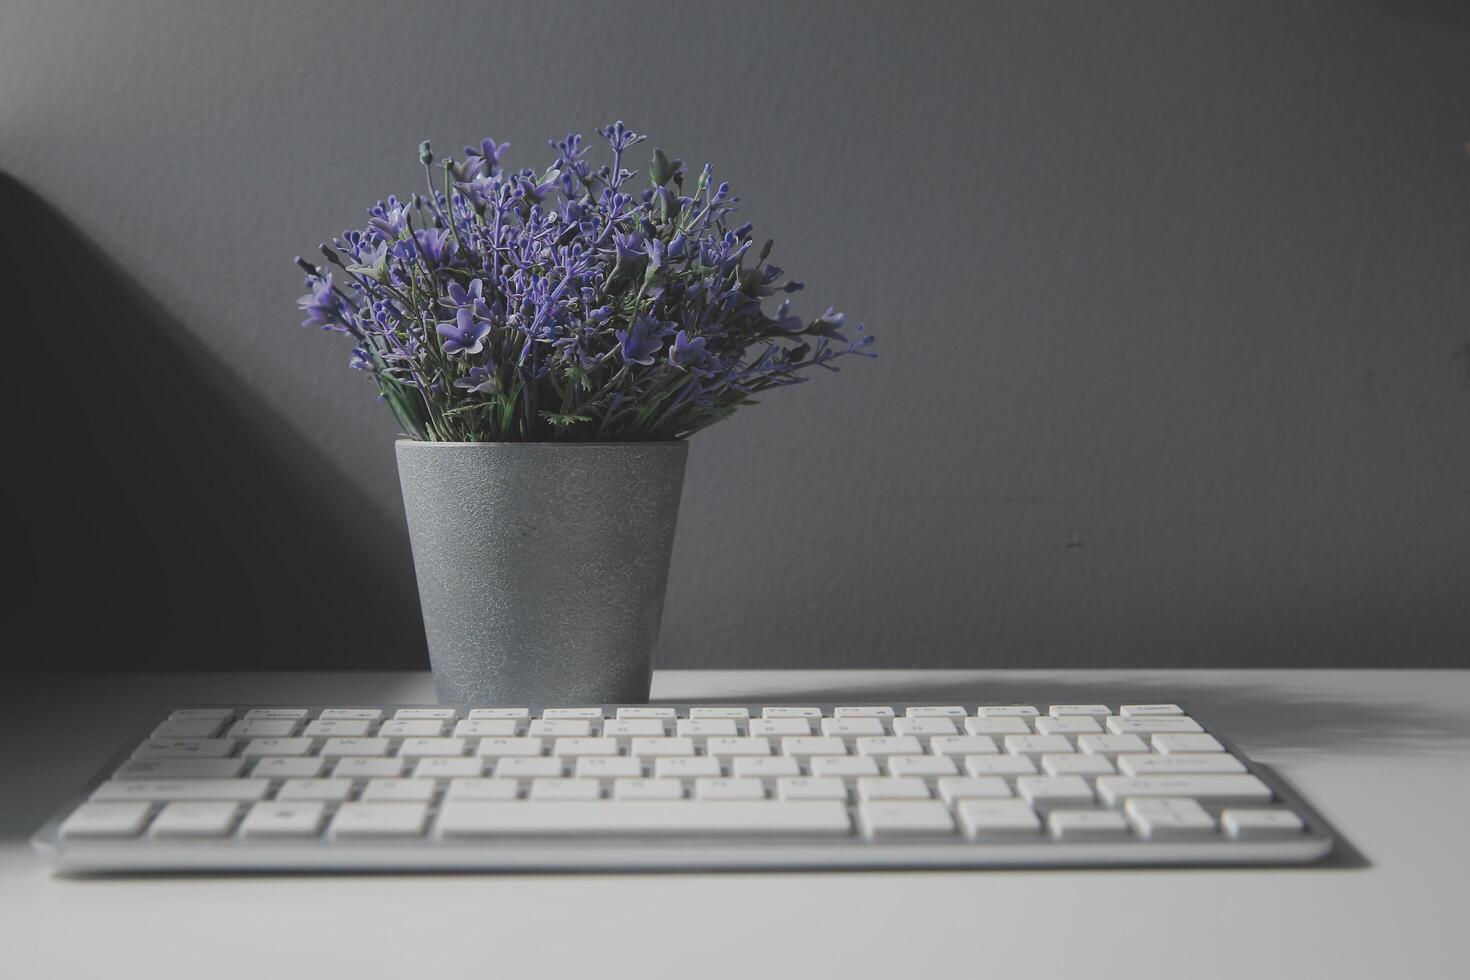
738 714
336 747
789 711
586 714
725 747
650 748
423 714
180 769
1212 787
1006 711
271 819
1037 744
904 818
1164 817
920 765
196 714
185 748
565 789
647 789
892 788
1147 725
1254 824
924 727
645 714
470 788
996 726
842 766
804 747
276 746
628 728
701 728
189 728
1140 710
263 729
686 767
346 727
528 767
276 714
444 768
1076 764
775 727
488 714
936 711
645 817
715 788
852 727
962 745
351 714
380 820
608 767
1110 744
999 765
997 818
398 790
413 748
1086 824
955 788
1179 762
764 767
195 820
165 790
368 767
1079 711
811 788
1186 742
881 745
498 748
1054 789
113 819
327 790
486 728
1075 725
289 767
412 728
863 711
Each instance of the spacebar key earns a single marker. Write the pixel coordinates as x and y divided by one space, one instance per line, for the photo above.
591 817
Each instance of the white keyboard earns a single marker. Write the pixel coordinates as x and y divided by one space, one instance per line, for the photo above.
681 786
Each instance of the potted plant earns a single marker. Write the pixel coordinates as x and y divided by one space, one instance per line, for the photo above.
548 340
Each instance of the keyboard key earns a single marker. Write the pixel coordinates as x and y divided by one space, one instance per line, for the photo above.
263 729
764 767
628 728
325 728
189 728
351 714
1146 724
185 748
110 819
276 714
1078 725
788 711
687 767
738 714
776 727
846 766
413 728
922 727
1256 824
448 768
892 788
647 789
608 767
159 791
999 765
1110 744
1087 825
195 714
1079 711
701 728
398 790
486 714
592 818
715 788
852 727
528 767
413 748
644 714
802 747
180 769
497 748
565 789
1179 762
864 711
881 819
962 745
649 748
272 819
811 788
1006 711
920 765
1037 744
482 789
881 745
369 767
1235 787
195 820
936 711
997 818
1170 744
586 714
380 820
955 788
288 767
278 746
724 747
1163 818
337 747
1076 764
1141 710
487 728
422 714
996 726
327 790
1054 789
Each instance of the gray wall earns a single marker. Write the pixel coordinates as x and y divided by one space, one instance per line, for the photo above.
1171 298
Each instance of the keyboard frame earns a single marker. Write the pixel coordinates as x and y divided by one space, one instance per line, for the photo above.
668 853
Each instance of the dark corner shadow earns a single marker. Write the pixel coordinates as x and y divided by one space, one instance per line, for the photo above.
160 515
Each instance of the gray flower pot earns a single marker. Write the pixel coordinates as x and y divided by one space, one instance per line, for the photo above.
541 566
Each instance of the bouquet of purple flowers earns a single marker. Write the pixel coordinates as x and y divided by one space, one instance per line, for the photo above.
565 305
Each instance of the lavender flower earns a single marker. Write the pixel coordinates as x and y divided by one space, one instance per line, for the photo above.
465 335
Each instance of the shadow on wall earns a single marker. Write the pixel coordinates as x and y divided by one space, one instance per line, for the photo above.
160 516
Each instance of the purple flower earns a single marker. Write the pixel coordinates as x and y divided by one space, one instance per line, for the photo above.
640 342
462 297
466 335
484 160
686 352
322 305
481 379
435 244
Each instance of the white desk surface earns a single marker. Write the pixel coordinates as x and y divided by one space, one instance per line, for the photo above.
1385 755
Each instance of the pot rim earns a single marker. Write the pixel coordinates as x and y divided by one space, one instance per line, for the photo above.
654 444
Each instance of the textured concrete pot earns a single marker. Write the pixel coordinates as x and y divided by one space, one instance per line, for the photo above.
541 566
